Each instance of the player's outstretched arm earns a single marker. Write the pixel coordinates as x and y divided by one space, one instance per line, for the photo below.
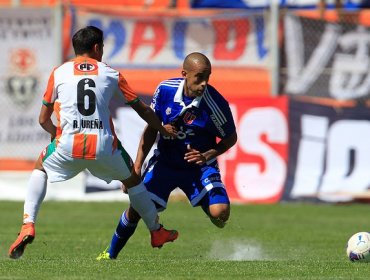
148 115
146 143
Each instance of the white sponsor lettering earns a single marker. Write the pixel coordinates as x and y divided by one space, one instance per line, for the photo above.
310 156
253 181
344 148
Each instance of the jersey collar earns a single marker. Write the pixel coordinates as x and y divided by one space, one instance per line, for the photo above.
178 98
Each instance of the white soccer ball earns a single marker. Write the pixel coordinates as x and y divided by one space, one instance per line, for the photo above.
358 247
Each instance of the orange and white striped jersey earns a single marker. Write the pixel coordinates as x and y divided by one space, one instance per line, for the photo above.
81 90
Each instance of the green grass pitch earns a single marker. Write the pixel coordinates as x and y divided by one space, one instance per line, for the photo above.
282 241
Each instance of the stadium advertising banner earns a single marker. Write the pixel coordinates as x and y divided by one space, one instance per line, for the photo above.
161 42
287 150
329 152
255 168
326 59
27 56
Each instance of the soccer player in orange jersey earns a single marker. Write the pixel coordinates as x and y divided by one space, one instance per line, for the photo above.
79 92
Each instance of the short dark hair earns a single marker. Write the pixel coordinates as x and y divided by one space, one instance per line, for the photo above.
84 39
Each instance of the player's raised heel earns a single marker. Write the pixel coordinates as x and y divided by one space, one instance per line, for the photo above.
162 235
26 236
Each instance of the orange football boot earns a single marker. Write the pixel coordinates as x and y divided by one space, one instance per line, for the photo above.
25 237
162 235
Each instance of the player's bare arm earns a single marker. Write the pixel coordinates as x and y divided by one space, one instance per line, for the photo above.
199 158
46 122
148 115
147 141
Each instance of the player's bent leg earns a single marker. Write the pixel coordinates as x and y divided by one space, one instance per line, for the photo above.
132 215
219 214
216 205
36 190
125 229
142 203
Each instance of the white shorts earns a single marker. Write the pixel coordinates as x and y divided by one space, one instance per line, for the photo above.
60 167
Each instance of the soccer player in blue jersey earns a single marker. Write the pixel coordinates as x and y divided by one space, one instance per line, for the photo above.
200 115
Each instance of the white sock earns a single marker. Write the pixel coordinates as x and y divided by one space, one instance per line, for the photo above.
36 190
141 202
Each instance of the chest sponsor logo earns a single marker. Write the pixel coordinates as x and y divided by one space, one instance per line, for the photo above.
86 67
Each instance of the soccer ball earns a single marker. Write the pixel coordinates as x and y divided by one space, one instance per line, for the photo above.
358 247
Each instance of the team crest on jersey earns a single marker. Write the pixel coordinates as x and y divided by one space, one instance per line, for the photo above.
189 118
85 68
168 111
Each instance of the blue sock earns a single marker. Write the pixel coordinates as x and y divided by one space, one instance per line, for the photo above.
123 232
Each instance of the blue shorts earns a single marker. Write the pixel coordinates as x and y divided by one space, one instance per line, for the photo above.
202 186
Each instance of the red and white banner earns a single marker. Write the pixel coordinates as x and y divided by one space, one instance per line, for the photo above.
254 170
163 41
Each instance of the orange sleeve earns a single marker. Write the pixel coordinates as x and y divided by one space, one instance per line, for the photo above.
48 95
127 91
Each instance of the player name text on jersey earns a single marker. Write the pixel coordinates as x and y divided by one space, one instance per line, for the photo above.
93 124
